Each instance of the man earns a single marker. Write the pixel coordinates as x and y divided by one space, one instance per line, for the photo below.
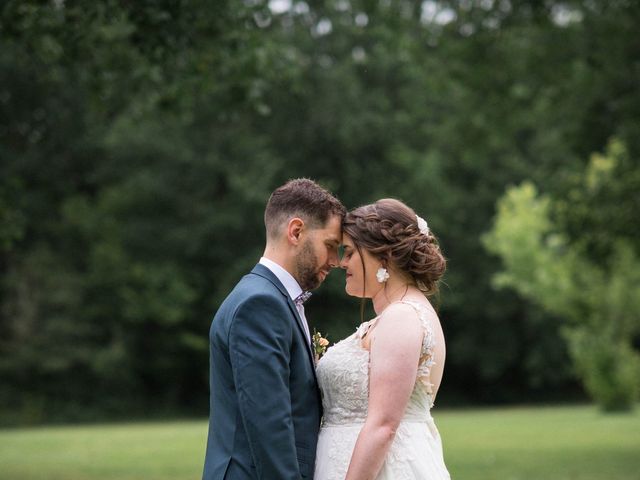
265 402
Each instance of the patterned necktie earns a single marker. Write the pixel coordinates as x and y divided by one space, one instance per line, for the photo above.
303 297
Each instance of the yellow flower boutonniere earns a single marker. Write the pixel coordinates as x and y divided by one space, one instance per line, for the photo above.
319 343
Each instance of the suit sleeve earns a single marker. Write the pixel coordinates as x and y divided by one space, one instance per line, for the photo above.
259 342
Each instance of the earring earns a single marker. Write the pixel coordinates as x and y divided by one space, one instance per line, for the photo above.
382 275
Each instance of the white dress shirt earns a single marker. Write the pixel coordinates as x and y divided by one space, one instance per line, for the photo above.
292 287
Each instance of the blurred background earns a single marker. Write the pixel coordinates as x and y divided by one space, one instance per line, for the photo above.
139 142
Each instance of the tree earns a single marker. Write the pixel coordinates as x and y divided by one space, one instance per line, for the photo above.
598 297
139 142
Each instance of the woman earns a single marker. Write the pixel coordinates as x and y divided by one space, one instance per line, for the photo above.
379 384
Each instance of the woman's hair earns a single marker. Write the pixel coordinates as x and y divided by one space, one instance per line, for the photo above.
389 230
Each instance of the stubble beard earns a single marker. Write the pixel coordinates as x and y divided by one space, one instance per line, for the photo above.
307 267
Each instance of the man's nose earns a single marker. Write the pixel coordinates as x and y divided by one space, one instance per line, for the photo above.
333 259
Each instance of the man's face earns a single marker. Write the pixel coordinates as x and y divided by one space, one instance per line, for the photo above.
318 254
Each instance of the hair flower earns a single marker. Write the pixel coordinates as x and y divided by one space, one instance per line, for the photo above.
422 225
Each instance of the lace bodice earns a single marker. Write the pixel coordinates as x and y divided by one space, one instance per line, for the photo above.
343 375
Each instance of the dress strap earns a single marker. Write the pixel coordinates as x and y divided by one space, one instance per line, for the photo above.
364 328
419 307
421 310
428 344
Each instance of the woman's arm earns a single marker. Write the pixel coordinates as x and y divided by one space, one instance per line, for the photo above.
395 352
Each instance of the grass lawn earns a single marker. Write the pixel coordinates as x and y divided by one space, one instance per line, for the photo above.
566 443
553 443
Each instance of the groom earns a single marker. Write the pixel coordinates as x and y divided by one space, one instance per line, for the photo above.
265 403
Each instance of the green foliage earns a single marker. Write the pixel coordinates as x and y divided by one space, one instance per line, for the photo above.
609 367
536 260
11 220
600 204
600 302
139 142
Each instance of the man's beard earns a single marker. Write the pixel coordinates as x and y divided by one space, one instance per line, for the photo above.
307 268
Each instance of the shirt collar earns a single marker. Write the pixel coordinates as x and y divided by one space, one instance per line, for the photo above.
290 283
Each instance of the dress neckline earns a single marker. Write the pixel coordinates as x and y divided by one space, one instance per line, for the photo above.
364 327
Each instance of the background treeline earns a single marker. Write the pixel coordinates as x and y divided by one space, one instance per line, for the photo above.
140 140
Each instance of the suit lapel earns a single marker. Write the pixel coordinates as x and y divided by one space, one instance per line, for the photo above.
269 275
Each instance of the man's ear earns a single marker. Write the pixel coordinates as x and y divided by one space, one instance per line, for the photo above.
295 227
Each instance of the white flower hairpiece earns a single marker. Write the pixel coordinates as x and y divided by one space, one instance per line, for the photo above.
422 225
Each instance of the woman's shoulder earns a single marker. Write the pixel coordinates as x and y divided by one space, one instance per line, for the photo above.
400 316
412 313
409 308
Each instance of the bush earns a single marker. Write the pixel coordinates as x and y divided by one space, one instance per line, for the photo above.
608 368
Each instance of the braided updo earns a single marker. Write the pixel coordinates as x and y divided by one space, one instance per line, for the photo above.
388 229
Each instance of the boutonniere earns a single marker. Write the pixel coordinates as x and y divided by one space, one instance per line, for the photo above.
319 343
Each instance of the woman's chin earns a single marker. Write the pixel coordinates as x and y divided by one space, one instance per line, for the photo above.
351 293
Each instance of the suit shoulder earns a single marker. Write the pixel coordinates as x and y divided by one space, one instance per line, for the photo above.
253 291
255 288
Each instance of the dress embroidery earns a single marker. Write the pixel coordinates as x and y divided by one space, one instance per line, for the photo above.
343 375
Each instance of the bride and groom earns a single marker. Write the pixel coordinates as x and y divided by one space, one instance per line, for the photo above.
361 412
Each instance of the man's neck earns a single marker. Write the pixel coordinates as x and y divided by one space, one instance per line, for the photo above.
276 256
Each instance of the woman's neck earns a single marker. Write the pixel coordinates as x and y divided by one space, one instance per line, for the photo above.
394 290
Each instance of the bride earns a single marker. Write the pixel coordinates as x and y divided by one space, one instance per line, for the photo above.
379 384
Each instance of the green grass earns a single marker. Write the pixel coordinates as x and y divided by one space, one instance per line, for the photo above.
559 443
154 451
566 443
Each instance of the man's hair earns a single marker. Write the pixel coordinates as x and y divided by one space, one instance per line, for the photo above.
301 198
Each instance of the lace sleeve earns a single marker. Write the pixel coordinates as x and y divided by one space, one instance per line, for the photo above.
428 345
426 356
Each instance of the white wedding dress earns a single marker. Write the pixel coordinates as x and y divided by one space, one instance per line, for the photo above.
343 375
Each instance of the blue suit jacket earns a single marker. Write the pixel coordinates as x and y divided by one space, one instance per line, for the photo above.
265 404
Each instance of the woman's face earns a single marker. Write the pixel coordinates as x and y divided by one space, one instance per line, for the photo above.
359 282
